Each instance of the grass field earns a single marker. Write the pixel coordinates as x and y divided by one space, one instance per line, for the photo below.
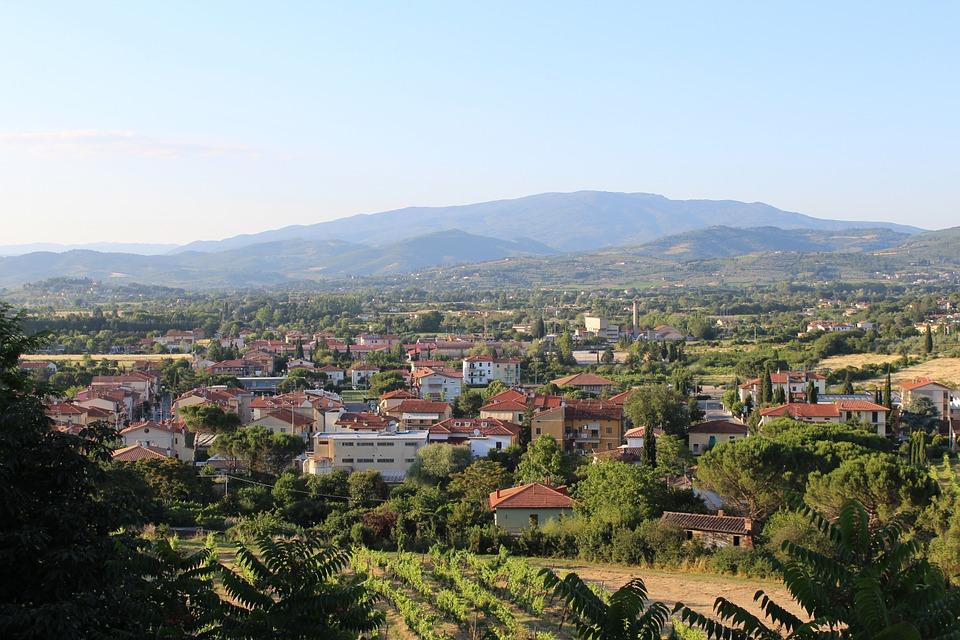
857 360
945 370
121 358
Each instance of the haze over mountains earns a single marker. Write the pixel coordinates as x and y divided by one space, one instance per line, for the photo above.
586 227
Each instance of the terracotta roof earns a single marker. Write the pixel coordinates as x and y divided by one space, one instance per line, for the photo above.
531 496
421 406
468 426
292 418
401 394
592 409
785 377
492 359
509 394
506 405
139 452
860 405
150 424
703 522
544 403
621 397
803 410
362 421
330 368
583 380
719 426
920 382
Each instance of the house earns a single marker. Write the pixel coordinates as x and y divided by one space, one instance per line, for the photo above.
483 435
437 383
793 383
363 421
452 348
829 327
482 370
530 505
38 366
389 452
262 360
420 413
360 374
334 374
173 439
937 393
145 384
227 398
580 425
285 421
586 382
662 333
509 410
136 452
715 531
703 436
241 367
391 399
867 413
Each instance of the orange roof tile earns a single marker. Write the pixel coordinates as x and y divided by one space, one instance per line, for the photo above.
531 496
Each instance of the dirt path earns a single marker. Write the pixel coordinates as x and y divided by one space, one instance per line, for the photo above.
696 590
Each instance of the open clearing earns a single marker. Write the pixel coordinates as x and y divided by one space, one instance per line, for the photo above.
696 590
945 370
113 357
857 360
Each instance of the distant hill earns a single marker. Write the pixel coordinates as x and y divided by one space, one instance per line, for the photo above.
267 263
579 221
721 241
142 248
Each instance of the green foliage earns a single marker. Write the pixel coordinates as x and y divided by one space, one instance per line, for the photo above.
872 585
658 406
435 463
209 418
619 494
386 381
544 461
293 589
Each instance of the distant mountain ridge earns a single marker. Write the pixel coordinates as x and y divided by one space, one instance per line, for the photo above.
578 221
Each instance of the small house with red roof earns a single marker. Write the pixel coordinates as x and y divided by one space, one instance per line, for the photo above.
705 435
793 383
171 438
482 435
528 506
136 452
865 412
586 382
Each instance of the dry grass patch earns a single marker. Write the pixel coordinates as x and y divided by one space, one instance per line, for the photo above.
945 370
857 360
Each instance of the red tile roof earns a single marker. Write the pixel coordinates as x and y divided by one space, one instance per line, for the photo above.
506 405
421 406
583 380
139 452
920 382
703 522
363 421
592 410
509 394
150 424
860 405
401 394
467 426
719 426
531 496
803 410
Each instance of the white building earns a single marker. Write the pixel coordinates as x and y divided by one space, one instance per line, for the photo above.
482 435
482 370
600 327
175 441
389 452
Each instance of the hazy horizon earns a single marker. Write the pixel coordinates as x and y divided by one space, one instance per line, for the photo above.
180 122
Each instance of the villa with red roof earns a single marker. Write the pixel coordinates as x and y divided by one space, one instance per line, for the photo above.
703 436
867 413
793 383
530 505
586 382
136 452
482 435
438 382
173 439
938 394
414 414
482 370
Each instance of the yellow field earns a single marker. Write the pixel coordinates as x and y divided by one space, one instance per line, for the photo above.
856 360
64 357
945 370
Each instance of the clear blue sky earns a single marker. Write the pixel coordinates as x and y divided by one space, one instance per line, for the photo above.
174 121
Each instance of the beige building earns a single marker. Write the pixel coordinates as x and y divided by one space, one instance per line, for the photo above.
389 452
866 413
704 436
581 425
937 393
174 441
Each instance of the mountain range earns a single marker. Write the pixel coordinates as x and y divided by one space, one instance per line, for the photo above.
579 235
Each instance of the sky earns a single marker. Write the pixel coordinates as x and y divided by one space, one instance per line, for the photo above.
176 121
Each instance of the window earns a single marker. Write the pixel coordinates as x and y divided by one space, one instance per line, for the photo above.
386 460
409 460
342 444
873 417
364 444
499 446
696 447
365 460
534 520
736 541
347 461
538 430
689 535
410 444
385 444
609 430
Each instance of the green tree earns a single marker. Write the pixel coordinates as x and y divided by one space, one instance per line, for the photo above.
468 403
873 585
884 485
658 406
928 340
619 493
298 353
172 480
495 387
209 418
366 488
847 383
544 461
888 391
282 449
293 589
812 392
753 475
386 381
539 329
436 462
626 615
766 386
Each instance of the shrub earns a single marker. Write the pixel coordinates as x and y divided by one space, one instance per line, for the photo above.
248 528
744 562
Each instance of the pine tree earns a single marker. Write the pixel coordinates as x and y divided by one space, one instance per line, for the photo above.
928 341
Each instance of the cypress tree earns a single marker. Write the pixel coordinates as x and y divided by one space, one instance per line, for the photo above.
766 387
888 391
812 392
649 447
847 383
928 340
877 396
780 396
